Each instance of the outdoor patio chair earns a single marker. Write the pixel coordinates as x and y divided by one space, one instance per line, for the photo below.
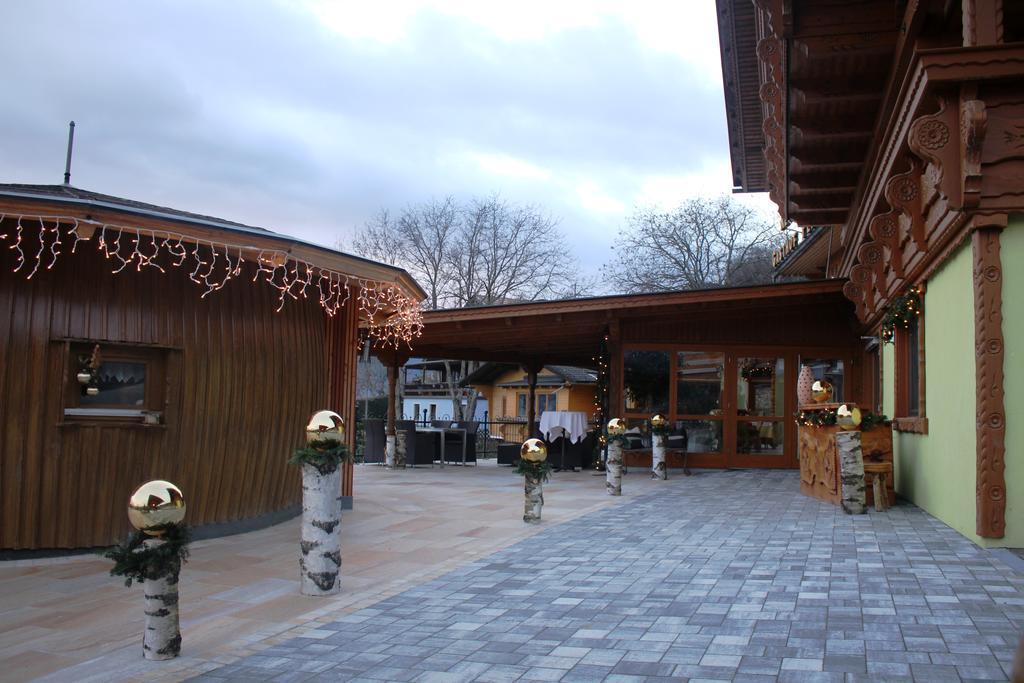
420 447
508 453
374 441
471 427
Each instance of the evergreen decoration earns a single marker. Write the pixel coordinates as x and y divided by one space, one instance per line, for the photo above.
326 456
538 470
135 562
901 311
827 418
664 429
869 421
619 439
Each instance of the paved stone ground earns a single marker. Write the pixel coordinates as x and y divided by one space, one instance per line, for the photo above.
720 576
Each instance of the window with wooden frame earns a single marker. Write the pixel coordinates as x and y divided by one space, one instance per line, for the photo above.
115 383
909 408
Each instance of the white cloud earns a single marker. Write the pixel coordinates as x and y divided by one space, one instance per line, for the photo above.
507 166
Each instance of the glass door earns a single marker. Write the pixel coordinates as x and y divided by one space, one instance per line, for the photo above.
699 402
760 412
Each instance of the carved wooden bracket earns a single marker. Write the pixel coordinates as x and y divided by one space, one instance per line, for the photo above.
769 52
885 229
931 138
903 192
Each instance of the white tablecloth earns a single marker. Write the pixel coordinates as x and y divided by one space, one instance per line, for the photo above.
572 421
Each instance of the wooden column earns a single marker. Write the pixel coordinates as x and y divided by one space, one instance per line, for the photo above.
990 411
392 397
531 398
615 399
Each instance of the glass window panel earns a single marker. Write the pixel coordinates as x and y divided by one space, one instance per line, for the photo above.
521 405
645 381
700 378
830 369
638 433
697 436
552 401
760 436
120 384
760 386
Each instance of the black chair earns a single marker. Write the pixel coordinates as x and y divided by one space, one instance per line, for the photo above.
420 447
471 428
374 441
508 453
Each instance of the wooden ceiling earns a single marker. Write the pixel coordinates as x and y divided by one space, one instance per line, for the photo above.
835 64
570 332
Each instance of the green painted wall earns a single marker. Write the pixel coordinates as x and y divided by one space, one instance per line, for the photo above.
937 471
1012 255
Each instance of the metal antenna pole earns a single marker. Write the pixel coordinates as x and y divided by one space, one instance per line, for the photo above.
71 144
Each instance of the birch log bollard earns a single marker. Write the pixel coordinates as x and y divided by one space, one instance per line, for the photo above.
401 448
659 432
152 556
534 467
389 451
320 546
851 461
613 467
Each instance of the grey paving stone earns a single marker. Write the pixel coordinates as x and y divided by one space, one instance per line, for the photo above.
719 576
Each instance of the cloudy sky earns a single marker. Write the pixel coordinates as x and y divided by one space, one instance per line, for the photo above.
306 117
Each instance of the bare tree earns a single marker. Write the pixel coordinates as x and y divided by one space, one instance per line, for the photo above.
487 251
703 243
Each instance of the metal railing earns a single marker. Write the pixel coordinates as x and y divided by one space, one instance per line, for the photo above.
489 435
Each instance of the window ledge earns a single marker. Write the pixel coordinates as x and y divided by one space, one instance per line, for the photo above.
912 425
109 423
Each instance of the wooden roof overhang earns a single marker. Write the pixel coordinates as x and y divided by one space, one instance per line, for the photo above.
570 331
93 213
804 81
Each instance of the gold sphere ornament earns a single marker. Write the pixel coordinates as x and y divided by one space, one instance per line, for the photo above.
821 391
325 425
154 504
534 450
658 421
616 426
848 418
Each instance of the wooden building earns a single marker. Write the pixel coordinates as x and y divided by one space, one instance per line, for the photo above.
559 387
139 342
892 135
721 364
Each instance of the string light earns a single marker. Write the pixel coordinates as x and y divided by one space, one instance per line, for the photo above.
391 317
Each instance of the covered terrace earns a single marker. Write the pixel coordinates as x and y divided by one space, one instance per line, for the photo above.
653 346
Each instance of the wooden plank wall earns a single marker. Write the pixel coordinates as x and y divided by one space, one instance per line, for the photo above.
241 382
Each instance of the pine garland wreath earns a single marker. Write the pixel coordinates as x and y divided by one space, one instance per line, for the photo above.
901 311
136 562
870 420
619 439
664 429
537 470
827 417
326 456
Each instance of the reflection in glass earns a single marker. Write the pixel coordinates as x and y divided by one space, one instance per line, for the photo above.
759 436
645 381
830 369
120 384
760 386
699 383
638 433
697 436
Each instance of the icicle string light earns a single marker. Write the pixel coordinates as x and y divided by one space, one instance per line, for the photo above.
389 316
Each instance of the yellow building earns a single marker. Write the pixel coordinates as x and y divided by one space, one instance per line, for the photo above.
559 387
